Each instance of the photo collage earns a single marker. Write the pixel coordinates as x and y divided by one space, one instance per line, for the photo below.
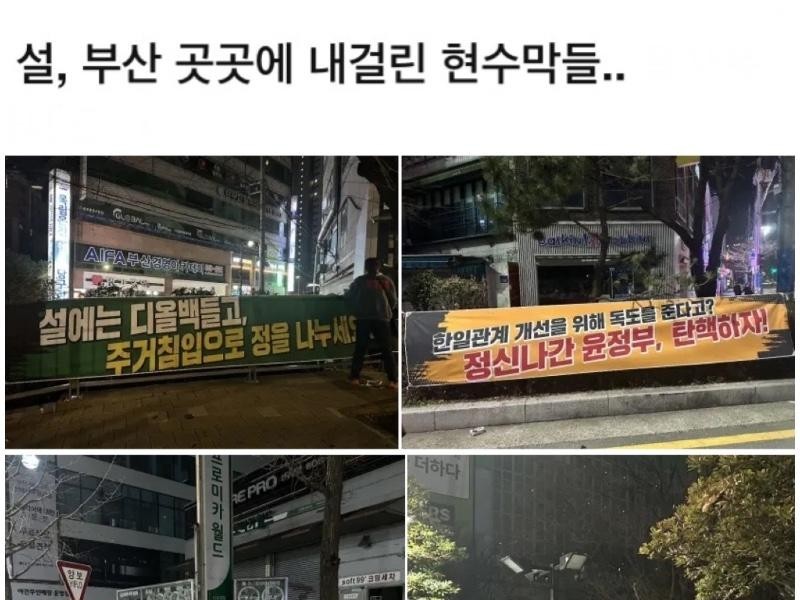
501 377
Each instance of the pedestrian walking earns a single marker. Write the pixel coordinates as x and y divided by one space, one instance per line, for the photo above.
373 298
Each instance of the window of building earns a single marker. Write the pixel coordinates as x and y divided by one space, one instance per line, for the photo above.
114 565
120 505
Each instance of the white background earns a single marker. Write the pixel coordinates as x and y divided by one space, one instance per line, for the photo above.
708 76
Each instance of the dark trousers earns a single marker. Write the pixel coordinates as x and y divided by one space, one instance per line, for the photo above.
380 331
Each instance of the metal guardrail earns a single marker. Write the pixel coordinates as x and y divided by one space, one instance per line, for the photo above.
74 386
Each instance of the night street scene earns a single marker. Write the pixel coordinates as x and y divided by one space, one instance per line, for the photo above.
201 302
216 527
601 527
642 302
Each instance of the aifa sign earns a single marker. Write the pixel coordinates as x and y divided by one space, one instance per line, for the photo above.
130 260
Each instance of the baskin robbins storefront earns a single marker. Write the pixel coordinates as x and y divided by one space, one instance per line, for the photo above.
556 264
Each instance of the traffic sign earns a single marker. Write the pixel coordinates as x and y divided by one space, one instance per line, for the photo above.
75 578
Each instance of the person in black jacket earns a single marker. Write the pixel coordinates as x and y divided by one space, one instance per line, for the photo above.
373 298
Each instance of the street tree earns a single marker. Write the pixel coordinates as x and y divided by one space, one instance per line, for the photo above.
26 280
324 475
733 536
426 291
535 192
33 514
430 548
717 177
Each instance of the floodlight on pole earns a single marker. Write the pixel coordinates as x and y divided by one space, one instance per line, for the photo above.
511 564
572 561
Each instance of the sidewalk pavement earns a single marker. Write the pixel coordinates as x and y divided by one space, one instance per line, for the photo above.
311 409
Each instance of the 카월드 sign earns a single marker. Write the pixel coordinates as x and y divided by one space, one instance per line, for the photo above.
499 344
124 336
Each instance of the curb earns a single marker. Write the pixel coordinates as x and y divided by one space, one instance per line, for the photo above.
557 407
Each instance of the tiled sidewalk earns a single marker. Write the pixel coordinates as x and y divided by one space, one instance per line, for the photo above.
317 409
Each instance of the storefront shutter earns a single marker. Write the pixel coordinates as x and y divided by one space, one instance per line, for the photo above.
302 568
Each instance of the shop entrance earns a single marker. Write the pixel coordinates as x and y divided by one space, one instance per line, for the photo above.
565 284
386 593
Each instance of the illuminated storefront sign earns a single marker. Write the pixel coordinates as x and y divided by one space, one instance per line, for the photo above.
58 232
130 260
292 241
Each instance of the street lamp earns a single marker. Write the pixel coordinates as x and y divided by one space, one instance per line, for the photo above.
30 461
509 562
572 561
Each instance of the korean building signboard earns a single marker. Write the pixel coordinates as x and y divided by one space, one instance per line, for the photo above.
59 209
446 475
372 579
140 261
175 590
123 336
261 588
31 493
466 346
257 494
215 512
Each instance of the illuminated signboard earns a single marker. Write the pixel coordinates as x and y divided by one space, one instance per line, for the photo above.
58 232
292 241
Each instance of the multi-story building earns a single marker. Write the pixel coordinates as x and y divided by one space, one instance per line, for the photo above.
123 515
538 508
132 519
163 223
352 214
278 522
446 229
307 218
26 213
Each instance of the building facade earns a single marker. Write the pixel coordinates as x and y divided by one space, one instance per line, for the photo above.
132 519
278 522
538 508
124 516
181 222
351 211
447 230
154 225
307 215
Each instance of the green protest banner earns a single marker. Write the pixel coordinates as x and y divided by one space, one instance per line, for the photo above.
73 339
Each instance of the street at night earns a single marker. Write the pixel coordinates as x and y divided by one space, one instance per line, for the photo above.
598 301
201 301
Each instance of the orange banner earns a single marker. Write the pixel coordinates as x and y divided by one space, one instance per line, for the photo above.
497 344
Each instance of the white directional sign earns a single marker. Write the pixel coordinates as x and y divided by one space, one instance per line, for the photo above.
75 577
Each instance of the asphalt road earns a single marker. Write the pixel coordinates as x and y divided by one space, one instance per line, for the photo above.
752 426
